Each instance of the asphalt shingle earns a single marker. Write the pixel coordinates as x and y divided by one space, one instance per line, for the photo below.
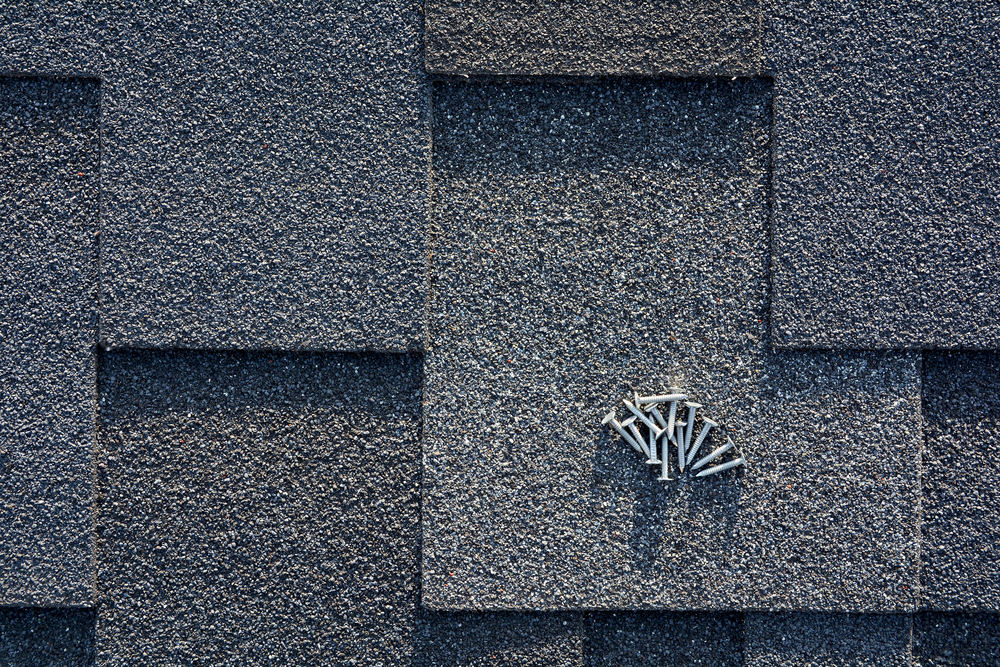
885 160
619 639
47 637
265 168
827 640
956 640
961 487
687 38
591 238
49 183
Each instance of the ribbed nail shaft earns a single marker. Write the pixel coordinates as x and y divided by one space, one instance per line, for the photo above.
667 398
709 425
613 423
643 418
714 455
725 466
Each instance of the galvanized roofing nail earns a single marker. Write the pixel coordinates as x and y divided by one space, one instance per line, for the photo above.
692 409
609 420
665 465
709 425
725 466
652 450
661 399
644 419
630 425
680 444
670 421
716 454
659 418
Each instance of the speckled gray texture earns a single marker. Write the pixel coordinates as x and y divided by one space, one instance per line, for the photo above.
504 639
690 37
590 238
265 167
627 639
885 163
961 535
47 637
49 183
827 640
257 509
956 640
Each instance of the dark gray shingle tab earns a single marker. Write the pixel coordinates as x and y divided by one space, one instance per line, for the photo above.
885 165
49 184
597 237
827 640
960 546
599 37
265 171
49 637
663 638
956 640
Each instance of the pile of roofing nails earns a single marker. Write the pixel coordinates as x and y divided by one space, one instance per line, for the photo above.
661 433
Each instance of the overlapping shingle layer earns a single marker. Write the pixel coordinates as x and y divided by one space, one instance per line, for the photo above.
49 183
961 482
598 237
690 38
821 640
264 170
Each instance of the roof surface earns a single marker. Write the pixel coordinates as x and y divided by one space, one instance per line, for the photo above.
395 262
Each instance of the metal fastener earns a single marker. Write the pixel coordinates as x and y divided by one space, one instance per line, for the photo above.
630 425
667 398
609 420
709 425
670 420
644 419
692 409
680 444
658 417
725 466
652 450
665 465
716 454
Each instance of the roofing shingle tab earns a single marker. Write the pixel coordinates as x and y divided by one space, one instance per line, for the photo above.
960 546
49 183
599 237
663 638
885 162
693 37
264 173
827 640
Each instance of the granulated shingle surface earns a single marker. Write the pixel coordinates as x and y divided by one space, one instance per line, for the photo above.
49 181
623 639
49 637
961 537
592 238
505 639
885 160
265 168
827 640
693 37
956 640
257 508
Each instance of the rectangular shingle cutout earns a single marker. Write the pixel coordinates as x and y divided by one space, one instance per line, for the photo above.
692 38
827 640
961 488
49 184
601 236
886 161
265 173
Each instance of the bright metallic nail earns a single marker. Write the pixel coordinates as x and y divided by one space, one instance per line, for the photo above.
609 420
680 444
670 420
716 454
630 425
652 450
658 417
660 399
692 409
709 425
665 464
725 466
644 419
